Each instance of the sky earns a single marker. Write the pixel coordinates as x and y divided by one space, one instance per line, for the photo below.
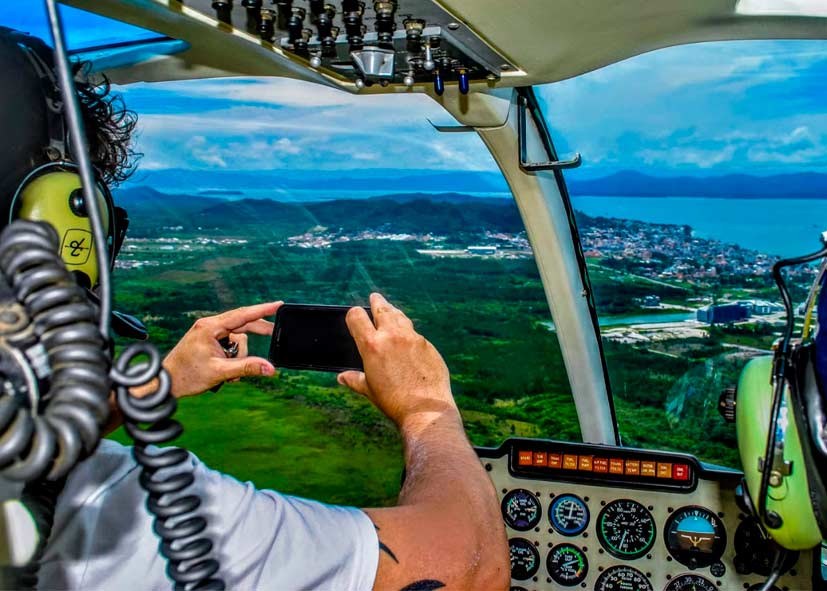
705 109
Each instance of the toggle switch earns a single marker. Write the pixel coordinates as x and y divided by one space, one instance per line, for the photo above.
428 64
464 82
439 83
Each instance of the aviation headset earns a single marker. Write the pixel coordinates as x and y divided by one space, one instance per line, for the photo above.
781 423
51 191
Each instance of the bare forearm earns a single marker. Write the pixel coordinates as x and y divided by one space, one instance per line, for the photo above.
441 466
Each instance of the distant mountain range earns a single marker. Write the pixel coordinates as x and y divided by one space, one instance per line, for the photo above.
151 211
302 185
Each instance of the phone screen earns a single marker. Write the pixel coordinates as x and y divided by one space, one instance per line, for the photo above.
314 337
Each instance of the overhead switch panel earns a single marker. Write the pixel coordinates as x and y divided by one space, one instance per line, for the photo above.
404 42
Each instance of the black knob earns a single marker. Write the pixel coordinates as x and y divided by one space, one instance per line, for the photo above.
253 8
295 25
726 404
267 25
384 22
316 7
285 11
223 10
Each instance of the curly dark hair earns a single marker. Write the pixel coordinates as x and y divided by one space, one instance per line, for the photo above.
109 126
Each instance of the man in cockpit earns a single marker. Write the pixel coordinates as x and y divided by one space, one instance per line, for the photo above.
446 530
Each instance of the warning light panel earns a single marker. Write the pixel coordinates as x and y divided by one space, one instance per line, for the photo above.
580 462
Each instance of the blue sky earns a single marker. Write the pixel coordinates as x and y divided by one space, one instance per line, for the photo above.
714 108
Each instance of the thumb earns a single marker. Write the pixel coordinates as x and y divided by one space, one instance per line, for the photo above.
355 380
246 367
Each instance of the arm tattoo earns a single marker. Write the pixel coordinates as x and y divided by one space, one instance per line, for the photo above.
385 549
424 585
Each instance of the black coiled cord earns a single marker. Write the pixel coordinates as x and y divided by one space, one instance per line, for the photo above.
49 440
148 420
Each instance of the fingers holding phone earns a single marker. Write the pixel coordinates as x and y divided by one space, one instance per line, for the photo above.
404 375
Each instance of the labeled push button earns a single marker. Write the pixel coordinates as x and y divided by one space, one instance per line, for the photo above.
585 463
525 458
664 470
569 462
555 461
648 469
632 467
600 465
616 466
680 472
540 458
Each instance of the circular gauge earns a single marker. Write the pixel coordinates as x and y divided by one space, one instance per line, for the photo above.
622 578
695 536
521 510
567 565
690 583
525 559
569 515
626 529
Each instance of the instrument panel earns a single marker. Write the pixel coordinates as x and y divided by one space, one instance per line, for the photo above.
582 516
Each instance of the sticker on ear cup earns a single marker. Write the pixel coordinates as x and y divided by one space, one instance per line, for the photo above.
77 244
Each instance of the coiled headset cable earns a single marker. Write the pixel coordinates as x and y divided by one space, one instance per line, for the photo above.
54 341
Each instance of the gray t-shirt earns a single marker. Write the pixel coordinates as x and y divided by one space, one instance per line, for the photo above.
103 538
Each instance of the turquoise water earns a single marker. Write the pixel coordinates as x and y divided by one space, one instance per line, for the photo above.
783 227
606 321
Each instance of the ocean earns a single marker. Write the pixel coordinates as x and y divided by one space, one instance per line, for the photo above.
785 227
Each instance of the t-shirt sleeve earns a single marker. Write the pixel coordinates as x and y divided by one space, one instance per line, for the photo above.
267 540
103 537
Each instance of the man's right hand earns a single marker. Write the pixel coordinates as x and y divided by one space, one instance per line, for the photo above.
446 531
405 376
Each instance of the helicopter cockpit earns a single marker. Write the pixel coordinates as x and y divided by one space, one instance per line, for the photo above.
409 146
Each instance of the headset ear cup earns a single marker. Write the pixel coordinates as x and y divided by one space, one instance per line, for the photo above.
51 193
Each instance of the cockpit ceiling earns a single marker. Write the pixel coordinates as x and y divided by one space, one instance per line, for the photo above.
538 41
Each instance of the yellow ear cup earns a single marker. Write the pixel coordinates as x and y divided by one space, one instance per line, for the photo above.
57 198
789 495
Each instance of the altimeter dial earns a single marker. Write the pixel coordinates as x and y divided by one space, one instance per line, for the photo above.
626 529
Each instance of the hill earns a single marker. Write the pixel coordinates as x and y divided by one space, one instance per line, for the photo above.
448 214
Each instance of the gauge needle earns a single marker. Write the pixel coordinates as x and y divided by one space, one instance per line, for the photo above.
623 539
571 510
570 562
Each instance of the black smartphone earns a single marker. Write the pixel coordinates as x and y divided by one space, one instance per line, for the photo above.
314 337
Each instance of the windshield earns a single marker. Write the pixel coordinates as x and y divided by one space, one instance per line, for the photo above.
253 190
702 165
83 30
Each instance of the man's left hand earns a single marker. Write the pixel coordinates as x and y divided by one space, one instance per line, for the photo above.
198 362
